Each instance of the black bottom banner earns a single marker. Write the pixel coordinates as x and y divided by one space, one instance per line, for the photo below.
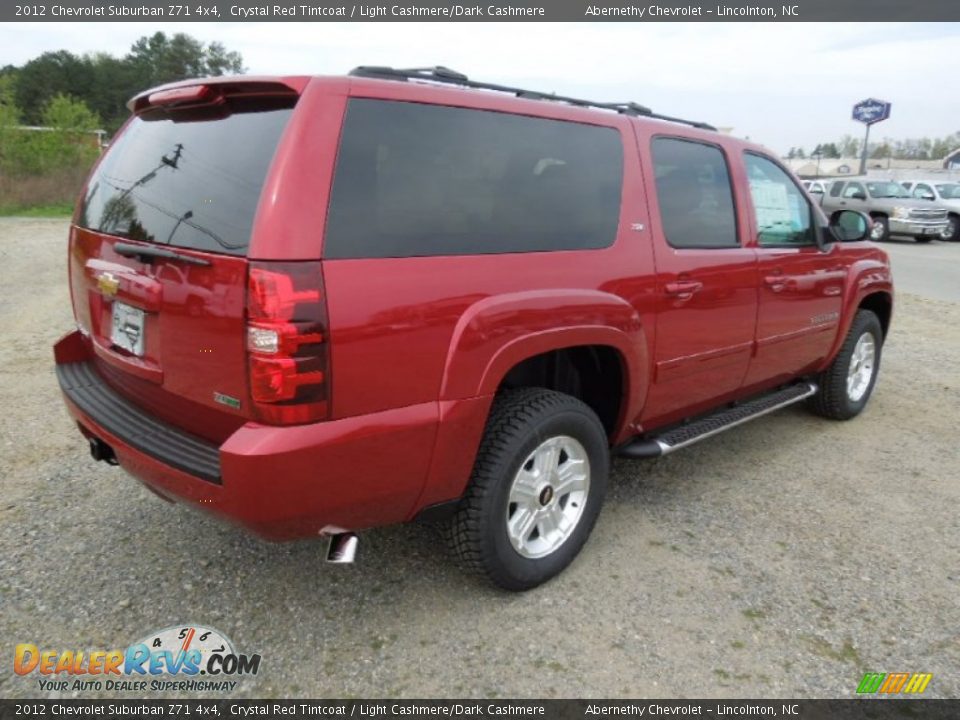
865 709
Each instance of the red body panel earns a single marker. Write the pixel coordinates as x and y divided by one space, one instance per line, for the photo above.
419 346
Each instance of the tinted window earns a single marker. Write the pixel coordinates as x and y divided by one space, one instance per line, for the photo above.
192 184
694 194
835 189
780 209
416 179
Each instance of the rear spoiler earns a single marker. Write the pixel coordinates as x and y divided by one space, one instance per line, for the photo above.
202 92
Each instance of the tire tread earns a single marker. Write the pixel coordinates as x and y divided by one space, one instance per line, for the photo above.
513 411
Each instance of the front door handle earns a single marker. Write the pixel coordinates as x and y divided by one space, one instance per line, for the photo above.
775 282
683 289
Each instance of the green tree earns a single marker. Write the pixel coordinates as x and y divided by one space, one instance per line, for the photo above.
849 146
50 74
161 59
9 112
66 113
881 150
830 151
221 61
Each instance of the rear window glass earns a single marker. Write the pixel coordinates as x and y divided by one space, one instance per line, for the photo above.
192 184
416 179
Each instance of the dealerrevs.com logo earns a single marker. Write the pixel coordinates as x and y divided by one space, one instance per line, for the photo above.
178 658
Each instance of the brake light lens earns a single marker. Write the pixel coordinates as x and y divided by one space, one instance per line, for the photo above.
182 95
287 348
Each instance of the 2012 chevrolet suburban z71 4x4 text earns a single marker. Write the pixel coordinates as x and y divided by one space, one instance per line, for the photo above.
318 305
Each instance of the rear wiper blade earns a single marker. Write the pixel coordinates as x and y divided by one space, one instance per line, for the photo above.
145 252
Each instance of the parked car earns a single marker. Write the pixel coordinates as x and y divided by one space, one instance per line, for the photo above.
890 206
817 189
945 193
458 300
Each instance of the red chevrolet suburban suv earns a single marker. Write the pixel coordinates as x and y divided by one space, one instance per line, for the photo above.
315 305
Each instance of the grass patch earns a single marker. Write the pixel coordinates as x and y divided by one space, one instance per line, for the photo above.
846 654
54 210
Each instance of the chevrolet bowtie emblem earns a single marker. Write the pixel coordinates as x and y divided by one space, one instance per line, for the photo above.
108 283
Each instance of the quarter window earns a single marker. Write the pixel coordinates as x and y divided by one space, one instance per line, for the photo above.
781 210
694 194
414 179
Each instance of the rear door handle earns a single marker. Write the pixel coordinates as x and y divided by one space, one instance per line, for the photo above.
683 289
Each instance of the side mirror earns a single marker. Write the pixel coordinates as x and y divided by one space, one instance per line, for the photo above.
859 195
850 225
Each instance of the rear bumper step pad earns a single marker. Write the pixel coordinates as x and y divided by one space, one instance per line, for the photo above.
710 425
87 390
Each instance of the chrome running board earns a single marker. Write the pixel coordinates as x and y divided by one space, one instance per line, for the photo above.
715 423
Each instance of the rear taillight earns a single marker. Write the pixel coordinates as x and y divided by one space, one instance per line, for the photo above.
287 343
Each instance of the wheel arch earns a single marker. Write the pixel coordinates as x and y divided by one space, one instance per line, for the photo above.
501 340
880 304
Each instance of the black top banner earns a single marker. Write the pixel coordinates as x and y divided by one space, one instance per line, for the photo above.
863 709
483 11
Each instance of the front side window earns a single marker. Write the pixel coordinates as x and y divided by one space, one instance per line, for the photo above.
886 189
414 179
694 194
949 191
782 213
924 192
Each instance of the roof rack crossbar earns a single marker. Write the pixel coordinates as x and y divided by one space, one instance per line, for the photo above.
441 74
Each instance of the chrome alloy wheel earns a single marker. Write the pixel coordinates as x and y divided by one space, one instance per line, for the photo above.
860 372
547 496
877 231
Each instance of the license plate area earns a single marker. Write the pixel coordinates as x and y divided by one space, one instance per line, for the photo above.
128 328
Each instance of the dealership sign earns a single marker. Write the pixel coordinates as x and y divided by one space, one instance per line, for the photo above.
871 111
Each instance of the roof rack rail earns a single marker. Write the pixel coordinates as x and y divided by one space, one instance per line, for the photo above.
441 74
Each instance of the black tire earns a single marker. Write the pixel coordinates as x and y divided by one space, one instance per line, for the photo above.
953 229
922 238
832 400
519 422
881 228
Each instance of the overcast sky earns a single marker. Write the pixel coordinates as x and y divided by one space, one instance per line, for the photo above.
779 84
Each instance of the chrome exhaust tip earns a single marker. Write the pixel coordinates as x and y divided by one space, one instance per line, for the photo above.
342 549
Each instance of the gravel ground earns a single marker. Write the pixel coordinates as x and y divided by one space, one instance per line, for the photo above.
784 558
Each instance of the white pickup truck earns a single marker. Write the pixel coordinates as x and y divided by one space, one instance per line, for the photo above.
889 204
943 192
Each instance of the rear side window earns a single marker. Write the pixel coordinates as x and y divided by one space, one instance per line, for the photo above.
835 189
415 179
694 194
192 184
